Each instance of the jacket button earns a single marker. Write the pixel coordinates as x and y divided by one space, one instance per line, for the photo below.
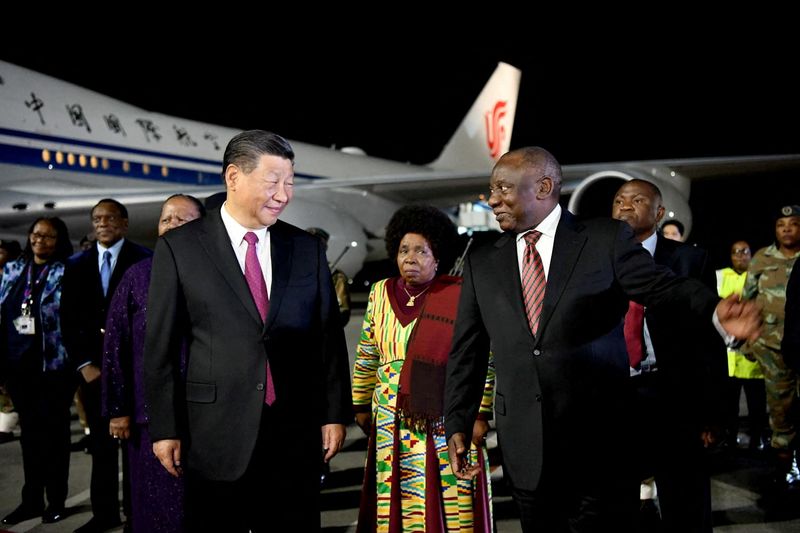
537 352
260 386
538 397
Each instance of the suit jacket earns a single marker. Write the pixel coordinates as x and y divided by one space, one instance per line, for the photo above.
692 359
83 305
790 345
198 293
559 395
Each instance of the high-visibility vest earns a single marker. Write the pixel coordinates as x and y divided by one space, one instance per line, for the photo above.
730 282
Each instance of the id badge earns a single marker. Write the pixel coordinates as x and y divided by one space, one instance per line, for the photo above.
25 325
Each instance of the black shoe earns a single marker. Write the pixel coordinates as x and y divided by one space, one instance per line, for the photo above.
98 525
53 514
20 514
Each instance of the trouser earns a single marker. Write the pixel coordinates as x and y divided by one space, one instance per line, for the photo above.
781 383
42 400
104 450
263 499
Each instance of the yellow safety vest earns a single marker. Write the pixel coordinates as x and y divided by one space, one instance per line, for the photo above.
730 282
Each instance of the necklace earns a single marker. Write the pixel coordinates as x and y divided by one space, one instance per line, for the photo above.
412 298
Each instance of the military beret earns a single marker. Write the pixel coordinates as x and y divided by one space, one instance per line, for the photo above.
789 211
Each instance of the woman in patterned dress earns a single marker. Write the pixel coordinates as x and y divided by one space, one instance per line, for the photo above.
408 482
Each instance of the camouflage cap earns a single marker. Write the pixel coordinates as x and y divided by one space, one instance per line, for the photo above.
789 211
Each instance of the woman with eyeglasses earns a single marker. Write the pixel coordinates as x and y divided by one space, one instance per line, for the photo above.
34 368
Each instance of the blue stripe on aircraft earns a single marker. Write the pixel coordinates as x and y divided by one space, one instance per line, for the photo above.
33 157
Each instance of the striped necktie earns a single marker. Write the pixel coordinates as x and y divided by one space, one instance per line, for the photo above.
533 280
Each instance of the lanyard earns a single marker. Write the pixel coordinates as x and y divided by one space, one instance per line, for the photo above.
27 295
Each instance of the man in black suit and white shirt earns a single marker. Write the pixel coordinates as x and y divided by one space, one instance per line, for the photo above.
679 386
250 298
561 391
90 279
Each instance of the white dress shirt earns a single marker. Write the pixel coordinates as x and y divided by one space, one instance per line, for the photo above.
236 234
544 245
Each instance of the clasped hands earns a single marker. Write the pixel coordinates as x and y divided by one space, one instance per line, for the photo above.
740 318
120 427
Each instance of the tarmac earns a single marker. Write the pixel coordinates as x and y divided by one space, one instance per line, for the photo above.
739 481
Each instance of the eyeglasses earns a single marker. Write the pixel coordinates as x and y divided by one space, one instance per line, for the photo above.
740 251
42 237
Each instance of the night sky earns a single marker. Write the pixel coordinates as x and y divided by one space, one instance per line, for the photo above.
589 93
615 96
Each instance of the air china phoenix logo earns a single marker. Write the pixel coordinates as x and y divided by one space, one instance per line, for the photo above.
495 131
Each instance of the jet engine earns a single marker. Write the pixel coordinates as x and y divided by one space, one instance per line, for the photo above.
593 195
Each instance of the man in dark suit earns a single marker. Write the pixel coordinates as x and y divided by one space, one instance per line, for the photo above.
679 383
90 279
561 362
266 394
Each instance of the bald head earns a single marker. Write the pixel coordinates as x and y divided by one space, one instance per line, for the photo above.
524 188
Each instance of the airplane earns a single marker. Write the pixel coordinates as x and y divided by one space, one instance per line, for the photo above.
63 147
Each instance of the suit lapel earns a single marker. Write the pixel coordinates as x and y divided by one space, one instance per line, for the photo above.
506 267
217 245
664 251
566 249
281 248
94 272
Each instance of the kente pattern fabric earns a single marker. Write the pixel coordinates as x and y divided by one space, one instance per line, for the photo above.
408 485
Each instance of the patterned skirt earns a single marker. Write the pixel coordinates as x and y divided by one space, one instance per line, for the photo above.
408 483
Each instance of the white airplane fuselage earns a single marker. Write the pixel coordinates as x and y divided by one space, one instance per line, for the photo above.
63 147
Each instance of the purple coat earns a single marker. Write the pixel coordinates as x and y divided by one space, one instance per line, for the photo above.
156 497
123 346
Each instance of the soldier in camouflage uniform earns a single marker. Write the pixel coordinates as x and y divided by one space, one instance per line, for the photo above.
767 277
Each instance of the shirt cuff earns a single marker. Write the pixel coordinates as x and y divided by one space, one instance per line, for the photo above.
730 340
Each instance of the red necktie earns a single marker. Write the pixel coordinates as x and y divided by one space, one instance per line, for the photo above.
634 333
258 288
533 280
